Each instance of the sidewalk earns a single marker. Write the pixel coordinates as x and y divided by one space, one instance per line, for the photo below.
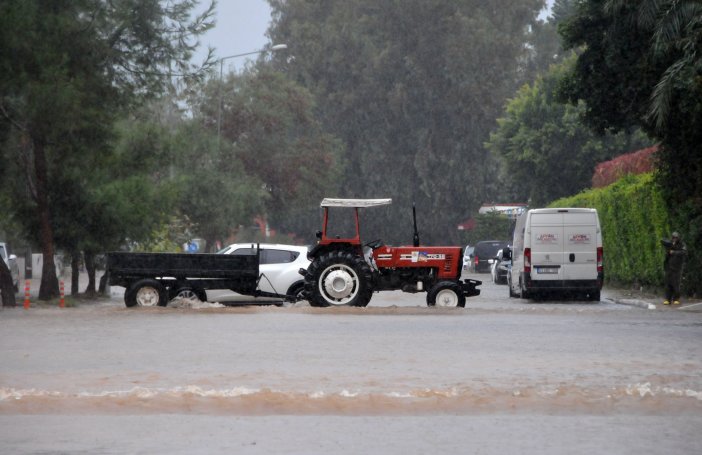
647 300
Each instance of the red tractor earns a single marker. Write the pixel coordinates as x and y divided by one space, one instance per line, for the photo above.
345 271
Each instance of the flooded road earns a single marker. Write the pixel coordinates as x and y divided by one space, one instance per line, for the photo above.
500 376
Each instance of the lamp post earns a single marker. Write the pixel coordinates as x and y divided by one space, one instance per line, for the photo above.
275 47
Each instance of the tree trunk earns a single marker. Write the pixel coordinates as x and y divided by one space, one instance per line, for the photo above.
75 272
49 287
90 267
7 290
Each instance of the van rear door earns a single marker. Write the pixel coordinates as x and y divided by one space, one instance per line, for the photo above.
580 245
546 246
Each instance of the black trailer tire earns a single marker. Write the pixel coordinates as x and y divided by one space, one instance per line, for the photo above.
146 292
339 278
446 294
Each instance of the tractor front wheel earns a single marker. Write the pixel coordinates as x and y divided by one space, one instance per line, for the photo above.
446 294
339 278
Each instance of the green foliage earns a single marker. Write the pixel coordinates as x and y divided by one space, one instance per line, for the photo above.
272 150
67 68
633 218
412 99
639 65
167 237
546 151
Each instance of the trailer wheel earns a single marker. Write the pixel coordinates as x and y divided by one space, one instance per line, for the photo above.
339 278
446 294
146 292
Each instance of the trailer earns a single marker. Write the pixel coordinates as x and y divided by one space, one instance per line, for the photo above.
153 279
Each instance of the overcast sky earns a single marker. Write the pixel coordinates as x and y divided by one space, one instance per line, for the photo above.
241 27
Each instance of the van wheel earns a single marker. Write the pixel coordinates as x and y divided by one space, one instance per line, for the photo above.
511 292
146 292
594 295
523 293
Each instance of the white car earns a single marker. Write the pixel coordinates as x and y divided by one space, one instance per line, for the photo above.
11 261
279 269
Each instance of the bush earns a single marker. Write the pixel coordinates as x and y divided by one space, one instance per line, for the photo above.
638 162
634 219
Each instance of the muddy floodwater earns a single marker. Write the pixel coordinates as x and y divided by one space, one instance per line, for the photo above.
500 376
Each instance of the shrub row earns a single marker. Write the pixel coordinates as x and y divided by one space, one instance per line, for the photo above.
638 162
634 219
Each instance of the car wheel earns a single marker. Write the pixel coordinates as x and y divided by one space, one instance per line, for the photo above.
298 291
189 293
146 292
594 295
446 294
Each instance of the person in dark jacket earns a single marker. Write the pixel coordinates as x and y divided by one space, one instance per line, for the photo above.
673 265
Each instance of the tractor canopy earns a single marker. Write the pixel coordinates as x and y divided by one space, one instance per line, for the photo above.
354 203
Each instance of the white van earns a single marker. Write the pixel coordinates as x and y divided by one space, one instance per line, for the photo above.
557 250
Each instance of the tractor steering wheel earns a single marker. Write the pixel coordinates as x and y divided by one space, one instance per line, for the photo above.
373 244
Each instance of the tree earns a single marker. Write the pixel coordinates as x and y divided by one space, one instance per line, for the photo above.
546 150
269 133
66 68
412 88
214 189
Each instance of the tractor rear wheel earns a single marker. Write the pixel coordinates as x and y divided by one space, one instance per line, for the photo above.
446 294
339 278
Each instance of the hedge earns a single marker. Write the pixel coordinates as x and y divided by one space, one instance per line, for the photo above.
633 217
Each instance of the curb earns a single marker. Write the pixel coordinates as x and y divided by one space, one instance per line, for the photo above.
634 302
695 307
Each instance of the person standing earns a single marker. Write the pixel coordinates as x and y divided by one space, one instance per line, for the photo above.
673 265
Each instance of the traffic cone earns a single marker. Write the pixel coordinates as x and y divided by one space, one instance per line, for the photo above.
26 294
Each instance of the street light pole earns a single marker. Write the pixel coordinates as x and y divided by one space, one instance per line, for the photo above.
275 47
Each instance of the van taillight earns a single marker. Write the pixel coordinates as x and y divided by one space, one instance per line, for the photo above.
476 259
527 260
599 259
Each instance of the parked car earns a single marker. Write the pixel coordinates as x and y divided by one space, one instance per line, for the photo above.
468 258
279 268
11 261
484 254
500 268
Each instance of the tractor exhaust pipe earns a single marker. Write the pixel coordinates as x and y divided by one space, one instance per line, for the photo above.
415 239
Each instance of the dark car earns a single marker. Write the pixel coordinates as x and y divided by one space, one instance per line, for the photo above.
484 254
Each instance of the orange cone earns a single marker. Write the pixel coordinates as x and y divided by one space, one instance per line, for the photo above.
61 302
26 294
